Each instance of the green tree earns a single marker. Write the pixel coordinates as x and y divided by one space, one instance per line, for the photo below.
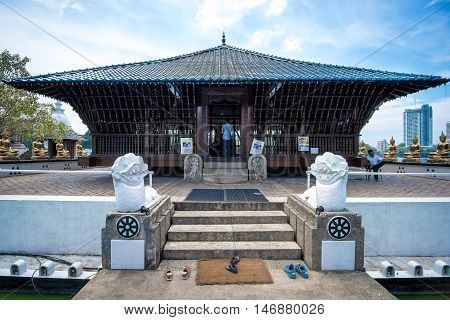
21 113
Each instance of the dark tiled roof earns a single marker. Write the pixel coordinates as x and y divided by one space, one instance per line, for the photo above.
223 63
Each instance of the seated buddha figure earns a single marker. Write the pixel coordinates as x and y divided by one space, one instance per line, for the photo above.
80 150
37 150
61 153
6 152
391 155
442 153
414 154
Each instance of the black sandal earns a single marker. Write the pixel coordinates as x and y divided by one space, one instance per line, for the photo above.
231 268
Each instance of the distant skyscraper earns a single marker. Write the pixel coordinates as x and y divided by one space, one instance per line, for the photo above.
419 123
448 131
382 145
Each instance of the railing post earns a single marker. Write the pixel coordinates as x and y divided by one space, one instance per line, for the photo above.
308 179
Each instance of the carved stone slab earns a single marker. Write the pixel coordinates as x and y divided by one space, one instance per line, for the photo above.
193 168
257 168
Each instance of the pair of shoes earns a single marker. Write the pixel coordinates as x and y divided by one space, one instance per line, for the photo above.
291 270
185 274
232 266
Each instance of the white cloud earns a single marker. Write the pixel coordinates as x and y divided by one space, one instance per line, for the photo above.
61 5
292 43
276 7
221 14
262 38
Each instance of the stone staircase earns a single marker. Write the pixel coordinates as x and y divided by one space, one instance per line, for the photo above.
225 171
211 230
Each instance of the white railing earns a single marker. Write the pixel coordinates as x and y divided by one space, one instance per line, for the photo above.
150 173
364 173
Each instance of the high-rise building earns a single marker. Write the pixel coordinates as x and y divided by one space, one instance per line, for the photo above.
418 123
382 145
448 130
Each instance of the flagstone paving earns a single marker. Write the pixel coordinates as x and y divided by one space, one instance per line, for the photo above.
101 185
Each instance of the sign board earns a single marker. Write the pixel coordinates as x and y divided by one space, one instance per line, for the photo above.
257 147
187 146
338 255
314 150
127 254
303 143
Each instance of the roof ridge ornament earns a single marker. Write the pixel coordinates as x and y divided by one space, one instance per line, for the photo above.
223 38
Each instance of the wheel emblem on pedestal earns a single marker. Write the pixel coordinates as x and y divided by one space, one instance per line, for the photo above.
339 228
127 227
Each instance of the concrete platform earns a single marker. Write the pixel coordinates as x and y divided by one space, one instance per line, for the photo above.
118 284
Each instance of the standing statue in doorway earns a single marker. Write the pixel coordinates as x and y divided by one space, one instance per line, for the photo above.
193 168
257 168
330 191
128 174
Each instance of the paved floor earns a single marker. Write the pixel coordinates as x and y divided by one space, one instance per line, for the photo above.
118 284
101 185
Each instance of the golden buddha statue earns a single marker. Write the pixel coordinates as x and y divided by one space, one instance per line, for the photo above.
391 155
37 150
414 155
6 152
61 153
442 154
80 150
362 149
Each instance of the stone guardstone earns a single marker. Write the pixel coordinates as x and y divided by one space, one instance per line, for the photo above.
129 236
193 168
329 240
257 168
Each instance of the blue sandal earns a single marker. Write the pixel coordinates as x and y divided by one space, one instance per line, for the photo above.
302 271
290 270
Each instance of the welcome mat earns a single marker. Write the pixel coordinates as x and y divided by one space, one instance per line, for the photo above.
250 271
226 195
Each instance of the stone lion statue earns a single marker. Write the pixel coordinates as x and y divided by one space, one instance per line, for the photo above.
330 191
128 174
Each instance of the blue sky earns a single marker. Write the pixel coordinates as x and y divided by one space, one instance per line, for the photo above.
337 32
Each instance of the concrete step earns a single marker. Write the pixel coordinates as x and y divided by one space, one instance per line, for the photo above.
226 171
228 232
270 250
229 217
225 164
225 179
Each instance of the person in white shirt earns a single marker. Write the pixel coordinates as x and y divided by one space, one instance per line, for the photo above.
375 162
227 132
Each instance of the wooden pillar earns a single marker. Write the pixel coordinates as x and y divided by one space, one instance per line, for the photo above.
201 134
246 126
146 143
94 145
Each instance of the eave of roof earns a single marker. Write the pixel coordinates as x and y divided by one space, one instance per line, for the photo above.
223 63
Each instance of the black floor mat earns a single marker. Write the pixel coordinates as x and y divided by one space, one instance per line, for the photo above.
226 195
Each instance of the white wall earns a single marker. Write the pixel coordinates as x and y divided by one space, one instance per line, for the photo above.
404 226
72 225
52 224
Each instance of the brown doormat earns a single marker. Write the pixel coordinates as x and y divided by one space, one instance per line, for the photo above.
250 271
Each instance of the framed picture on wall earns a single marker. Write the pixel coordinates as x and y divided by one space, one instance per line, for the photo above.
187 146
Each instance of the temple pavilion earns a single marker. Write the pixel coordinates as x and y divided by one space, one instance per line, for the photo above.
147 107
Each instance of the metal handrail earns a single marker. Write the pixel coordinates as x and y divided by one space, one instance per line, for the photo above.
150 173
364 173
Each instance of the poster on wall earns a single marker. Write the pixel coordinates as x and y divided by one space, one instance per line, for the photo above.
314 150
257 147
186 146
303 143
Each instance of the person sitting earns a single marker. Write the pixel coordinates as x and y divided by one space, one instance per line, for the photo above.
375 162
227 131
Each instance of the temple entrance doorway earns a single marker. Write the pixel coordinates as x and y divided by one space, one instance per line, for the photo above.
218 114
